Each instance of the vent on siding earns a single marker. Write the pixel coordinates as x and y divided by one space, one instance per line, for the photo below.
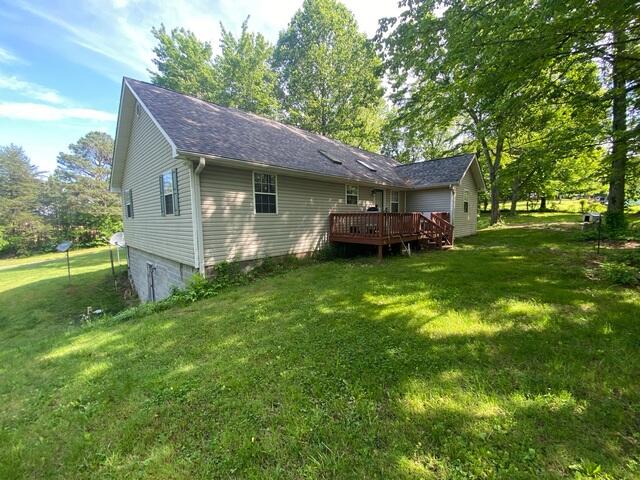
138 109
366 165
330 157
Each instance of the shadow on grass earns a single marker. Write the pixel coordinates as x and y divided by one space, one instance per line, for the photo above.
496 359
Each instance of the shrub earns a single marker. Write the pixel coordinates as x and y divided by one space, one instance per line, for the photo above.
621 273
227 274
143 310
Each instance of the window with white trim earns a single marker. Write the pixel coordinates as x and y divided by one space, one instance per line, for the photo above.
395 202
351 192
465 201
169 204
265 193
128 203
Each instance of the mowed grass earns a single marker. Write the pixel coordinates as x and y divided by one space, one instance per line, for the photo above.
498 359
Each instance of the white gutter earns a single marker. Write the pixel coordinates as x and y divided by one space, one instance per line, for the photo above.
196 214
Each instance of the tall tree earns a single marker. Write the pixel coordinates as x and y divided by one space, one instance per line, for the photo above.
609 32
330 75
241 76
571 135
244 75
183 63
81 202
451 68
407 144
20 184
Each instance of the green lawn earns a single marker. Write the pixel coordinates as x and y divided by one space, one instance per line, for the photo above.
497 359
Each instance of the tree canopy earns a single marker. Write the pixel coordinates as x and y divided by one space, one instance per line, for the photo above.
239 76
243 73
453 66
21 228
183 63
330 75
74 203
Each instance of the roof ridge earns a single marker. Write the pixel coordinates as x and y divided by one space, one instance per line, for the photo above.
435 159
394 163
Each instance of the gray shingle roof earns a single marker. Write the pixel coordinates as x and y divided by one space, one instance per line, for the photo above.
438 171
199 127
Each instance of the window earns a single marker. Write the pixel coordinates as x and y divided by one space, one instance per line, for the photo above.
395 202
265 193
128 203
169 204
352 194
465 199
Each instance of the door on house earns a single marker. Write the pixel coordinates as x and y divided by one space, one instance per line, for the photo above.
378 199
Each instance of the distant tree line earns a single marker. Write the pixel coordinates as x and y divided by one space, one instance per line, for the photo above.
545 92
73 203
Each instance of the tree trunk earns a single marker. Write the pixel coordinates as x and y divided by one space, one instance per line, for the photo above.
543 204
494 166
515 192
619 150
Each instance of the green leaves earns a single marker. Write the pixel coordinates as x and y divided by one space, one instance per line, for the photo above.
244 76
183 63
330 75
240 76
21 229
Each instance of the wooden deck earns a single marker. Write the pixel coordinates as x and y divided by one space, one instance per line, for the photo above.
378 228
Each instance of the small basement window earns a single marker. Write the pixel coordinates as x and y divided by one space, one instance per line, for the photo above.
395 202
265 193
465 203
352 194
128 203
169 192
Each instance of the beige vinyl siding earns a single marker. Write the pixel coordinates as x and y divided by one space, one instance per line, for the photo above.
436 200
148 156
466 223
233 232
401 198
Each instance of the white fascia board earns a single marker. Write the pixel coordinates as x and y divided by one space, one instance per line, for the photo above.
115 145
174 150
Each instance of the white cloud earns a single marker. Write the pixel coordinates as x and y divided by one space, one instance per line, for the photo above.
30 90
7 57
47 113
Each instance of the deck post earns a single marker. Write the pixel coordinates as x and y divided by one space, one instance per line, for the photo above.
379 253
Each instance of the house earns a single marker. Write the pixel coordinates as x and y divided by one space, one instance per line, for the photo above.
203 184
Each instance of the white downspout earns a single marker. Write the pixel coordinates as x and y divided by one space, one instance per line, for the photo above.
196 216
453 211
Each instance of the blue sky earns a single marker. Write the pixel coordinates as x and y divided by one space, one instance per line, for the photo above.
61 62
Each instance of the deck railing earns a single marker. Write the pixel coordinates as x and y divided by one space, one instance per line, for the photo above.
373 225
441 219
